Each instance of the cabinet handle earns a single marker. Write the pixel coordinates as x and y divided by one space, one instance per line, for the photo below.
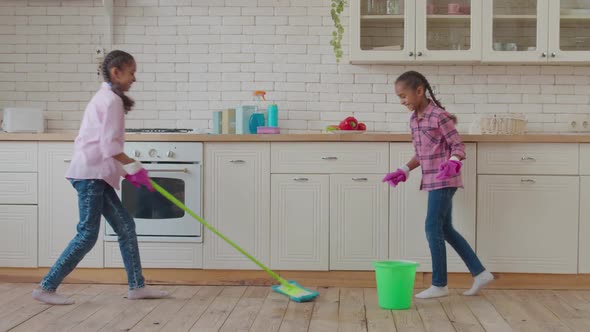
171 170
528 159
527 181
329 158
411 53
360 179
67 160
301 179
419 53
237 161
553 55
544 54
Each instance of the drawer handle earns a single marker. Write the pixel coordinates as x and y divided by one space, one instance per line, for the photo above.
301 179
237 161
67 160
528 159
360 179
527 181
330 158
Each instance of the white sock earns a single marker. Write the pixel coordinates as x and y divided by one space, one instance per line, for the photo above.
479 283
146 293
433 292
51 297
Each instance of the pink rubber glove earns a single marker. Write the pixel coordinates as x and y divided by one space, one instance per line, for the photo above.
400 175
449 169
137 175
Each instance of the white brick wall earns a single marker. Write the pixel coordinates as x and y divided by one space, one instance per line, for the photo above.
197 56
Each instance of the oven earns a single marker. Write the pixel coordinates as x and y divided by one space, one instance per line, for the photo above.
177 167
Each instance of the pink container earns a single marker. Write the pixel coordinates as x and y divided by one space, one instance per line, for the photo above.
430 9
454 8
268 130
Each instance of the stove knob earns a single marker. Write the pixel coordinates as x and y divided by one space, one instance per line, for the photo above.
170 154
136 153
153 153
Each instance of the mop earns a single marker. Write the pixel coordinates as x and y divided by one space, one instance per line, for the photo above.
289 288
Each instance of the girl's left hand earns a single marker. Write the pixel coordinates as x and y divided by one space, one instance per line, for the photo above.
137 175
449 169
139 179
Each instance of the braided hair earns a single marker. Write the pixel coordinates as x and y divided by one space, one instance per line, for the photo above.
414 79
117 59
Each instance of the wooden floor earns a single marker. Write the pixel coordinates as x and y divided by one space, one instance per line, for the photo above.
241 308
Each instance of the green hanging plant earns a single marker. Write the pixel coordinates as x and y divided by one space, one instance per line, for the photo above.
336 42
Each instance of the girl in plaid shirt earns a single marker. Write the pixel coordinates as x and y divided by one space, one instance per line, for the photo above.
439 151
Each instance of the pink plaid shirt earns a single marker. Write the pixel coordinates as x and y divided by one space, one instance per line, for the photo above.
435 141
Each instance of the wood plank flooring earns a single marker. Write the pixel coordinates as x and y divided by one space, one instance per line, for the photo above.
257 309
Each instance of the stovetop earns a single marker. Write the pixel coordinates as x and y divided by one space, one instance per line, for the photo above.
158 131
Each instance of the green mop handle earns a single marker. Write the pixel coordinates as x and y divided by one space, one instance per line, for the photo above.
178 203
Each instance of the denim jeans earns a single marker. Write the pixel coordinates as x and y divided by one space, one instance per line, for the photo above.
439 228
96 198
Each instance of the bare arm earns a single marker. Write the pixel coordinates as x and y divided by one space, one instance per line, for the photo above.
413 163
123 158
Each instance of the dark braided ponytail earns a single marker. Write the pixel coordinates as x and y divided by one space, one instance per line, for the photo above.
117 59
414 79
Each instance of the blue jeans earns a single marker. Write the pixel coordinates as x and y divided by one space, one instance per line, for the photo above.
96 198
439 228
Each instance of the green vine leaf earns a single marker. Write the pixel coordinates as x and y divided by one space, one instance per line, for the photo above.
336 9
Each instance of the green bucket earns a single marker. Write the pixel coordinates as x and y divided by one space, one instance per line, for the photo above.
395 283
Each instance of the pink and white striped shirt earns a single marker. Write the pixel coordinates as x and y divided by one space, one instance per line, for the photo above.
435 141
101 136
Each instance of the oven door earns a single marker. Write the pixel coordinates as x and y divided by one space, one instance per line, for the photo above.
156 218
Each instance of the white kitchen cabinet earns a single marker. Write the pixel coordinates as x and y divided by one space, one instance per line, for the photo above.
569 31
408 206
528 224
300 215
536 31
18 157
528 158
329 157
58 207
237 203
359 221
18 236
584 238
18 188
585 159
414 31
515 31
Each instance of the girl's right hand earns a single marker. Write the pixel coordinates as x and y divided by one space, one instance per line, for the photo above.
400 175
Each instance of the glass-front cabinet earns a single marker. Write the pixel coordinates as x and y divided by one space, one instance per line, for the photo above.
526 31
392 31
464 31
569 33
515 30
382 31
448 30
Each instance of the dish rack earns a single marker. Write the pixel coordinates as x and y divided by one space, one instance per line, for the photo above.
503 124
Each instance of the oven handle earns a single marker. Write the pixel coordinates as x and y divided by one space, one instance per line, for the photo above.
179 170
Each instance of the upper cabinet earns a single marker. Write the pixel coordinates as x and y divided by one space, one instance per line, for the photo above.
515 31
569 32
468 31
389 31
